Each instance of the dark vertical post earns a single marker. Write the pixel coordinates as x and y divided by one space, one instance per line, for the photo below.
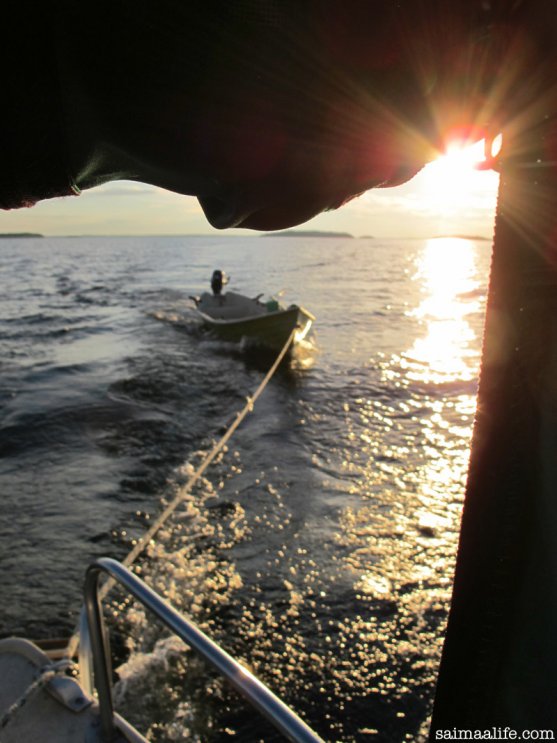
499 665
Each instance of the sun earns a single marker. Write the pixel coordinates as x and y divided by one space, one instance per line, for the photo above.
457 168
455 180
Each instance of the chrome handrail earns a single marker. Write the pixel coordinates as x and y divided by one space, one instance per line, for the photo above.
262 698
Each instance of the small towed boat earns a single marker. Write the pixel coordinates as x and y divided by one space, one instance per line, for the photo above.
235 317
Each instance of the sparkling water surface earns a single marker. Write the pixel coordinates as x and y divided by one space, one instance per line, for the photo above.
319 549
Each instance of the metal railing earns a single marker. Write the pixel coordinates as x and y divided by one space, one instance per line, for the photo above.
256 693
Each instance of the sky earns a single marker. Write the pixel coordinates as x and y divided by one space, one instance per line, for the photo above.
448 197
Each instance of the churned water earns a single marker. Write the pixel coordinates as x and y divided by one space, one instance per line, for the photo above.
320 548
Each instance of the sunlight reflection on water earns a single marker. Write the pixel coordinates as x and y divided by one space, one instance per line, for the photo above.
402 544
448 276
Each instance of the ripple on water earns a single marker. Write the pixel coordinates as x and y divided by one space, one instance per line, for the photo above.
319 549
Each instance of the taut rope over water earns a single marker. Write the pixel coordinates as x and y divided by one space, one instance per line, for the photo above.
185 489
219 446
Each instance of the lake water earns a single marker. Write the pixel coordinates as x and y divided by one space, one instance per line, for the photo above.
320 548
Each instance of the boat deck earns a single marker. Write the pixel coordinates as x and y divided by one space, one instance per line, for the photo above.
39 704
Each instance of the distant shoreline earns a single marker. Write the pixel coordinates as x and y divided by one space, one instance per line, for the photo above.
20 234
307 233
239 236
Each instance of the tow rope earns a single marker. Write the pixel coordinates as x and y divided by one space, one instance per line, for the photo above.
184 491
217 448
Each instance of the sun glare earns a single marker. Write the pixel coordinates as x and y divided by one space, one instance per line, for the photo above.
454 181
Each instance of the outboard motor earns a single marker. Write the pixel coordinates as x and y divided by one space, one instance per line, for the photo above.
218 280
